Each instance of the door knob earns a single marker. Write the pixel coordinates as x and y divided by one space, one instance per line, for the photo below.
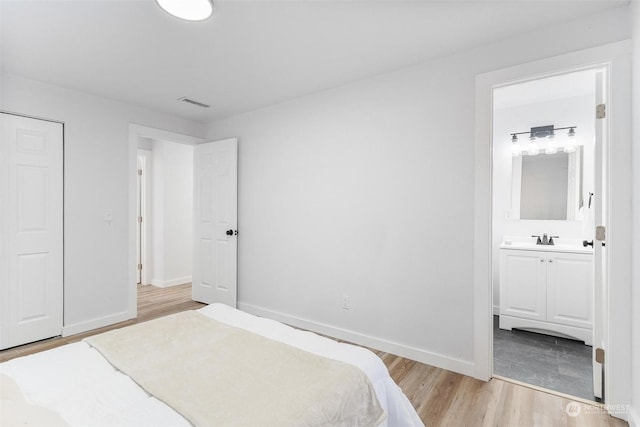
229 233
586 243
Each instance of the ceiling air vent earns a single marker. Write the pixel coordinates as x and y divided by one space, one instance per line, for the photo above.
194 102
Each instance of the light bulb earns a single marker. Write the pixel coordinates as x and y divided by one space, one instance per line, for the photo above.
532 149
551 146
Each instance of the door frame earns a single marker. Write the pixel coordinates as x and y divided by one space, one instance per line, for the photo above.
135 132
144 199
616 58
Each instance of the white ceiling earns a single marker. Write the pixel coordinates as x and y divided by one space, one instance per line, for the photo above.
251 54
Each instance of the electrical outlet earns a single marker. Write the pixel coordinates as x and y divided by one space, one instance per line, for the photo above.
345 302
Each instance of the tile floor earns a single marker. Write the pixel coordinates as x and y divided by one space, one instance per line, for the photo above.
555 363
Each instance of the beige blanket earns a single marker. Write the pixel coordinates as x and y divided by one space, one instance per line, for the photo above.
217 375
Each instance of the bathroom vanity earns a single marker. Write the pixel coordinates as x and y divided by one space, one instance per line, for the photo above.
547 289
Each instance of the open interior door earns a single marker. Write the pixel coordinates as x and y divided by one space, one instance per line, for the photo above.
600 282
215 222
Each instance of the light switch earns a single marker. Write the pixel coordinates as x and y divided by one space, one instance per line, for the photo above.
108 215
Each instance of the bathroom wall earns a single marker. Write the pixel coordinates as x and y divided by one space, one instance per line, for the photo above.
519 116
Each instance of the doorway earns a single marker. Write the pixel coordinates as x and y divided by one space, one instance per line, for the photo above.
213 173
164 214
615 58
545 184
140 141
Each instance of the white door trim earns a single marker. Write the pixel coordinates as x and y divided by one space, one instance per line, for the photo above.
615 56
136 131
145 209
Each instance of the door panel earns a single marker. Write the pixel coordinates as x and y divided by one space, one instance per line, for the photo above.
570 289
215 213
32 286
31 229
32 198
524 291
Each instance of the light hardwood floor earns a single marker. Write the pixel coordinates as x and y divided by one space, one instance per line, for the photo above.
441 398
153 302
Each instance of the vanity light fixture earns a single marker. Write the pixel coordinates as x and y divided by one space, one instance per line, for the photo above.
544 139
189 10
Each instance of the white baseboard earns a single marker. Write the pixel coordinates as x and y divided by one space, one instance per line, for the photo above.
78 328
172 282
633 418
449 363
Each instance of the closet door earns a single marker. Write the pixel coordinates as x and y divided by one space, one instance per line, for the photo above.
30 229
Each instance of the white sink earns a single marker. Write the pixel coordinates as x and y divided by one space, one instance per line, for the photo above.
529 244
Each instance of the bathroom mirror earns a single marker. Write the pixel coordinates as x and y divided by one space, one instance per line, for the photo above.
547 186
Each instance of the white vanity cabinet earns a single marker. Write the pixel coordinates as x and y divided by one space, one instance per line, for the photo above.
548 291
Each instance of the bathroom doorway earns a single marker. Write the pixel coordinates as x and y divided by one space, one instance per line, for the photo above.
547 186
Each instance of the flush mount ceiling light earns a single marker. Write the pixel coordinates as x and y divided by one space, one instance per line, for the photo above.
190 10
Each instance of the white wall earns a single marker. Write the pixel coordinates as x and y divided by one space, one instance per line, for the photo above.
96 163
367 190
171 213
577 110
635 308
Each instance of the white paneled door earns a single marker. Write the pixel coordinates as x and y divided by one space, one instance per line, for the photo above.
31 207
215 222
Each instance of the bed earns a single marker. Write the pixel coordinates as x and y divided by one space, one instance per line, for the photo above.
75 385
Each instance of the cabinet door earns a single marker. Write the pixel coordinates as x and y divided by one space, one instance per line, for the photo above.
570 289
523 290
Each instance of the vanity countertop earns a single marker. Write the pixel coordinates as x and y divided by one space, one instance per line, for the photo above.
529 244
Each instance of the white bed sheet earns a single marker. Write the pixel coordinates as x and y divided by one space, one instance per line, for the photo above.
78 383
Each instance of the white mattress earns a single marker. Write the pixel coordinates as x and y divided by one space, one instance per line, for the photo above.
78 383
